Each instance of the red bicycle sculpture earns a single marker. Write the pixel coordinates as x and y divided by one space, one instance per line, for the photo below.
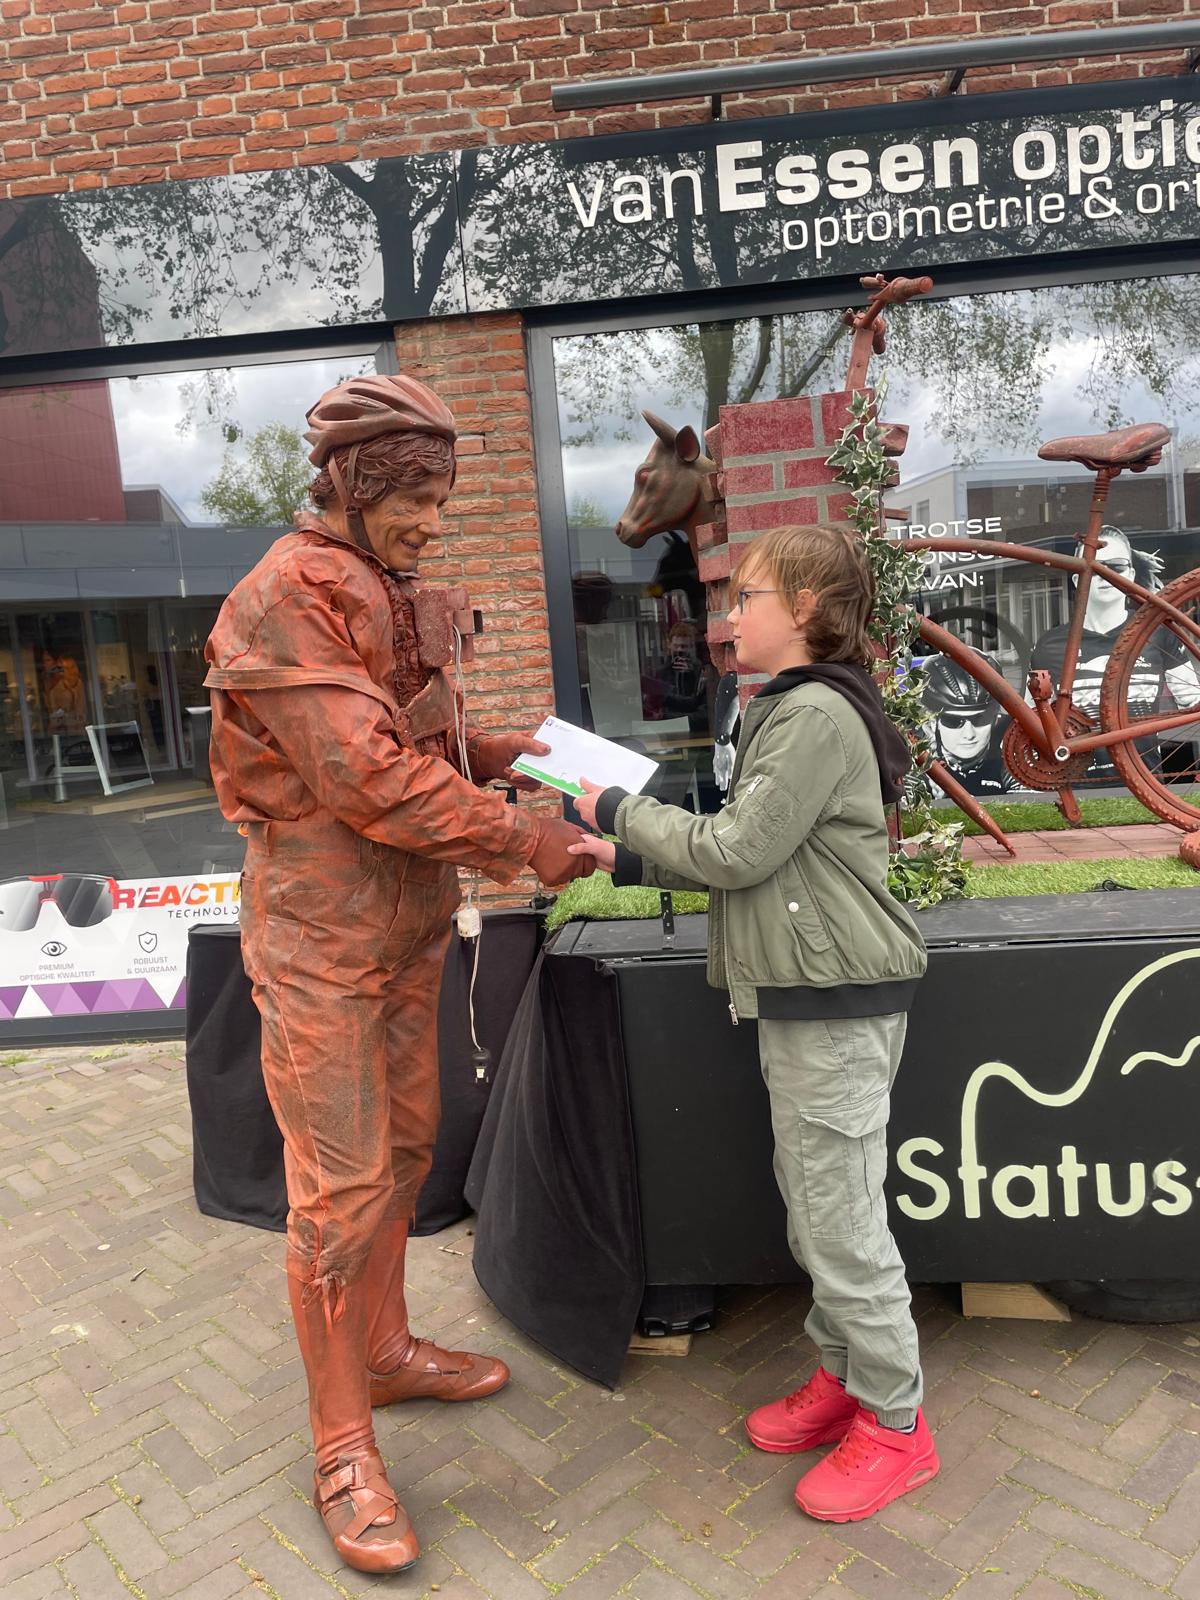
1050 740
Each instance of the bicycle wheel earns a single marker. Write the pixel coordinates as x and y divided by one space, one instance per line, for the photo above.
1138 685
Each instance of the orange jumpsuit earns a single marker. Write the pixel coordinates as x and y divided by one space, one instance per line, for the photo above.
332 736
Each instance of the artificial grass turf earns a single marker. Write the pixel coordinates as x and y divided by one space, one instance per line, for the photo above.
1043 816
595 899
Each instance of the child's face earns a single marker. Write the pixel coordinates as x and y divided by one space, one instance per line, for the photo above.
767 635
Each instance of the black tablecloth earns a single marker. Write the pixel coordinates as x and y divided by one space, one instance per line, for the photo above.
238 1152
558 1231
630 1137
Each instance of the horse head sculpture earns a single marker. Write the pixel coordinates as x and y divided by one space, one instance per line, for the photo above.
667 487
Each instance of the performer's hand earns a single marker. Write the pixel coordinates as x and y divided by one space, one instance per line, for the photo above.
585 804
491 756
604 850
552 860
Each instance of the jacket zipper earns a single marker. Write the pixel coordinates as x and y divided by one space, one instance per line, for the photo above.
733 1013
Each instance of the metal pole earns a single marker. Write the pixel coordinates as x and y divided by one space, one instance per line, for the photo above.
905 61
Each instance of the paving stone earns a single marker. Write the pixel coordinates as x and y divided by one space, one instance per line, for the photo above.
1161 1475
1117 1549
1086 1572
175 1435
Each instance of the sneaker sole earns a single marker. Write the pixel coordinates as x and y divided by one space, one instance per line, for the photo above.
923 1472
830 1435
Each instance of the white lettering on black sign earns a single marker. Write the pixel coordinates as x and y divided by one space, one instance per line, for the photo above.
1070 1186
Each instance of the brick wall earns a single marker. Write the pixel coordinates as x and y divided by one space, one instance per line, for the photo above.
133 91
771 458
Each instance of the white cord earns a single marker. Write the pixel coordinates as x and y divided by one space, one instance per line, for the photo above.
471 989
471 910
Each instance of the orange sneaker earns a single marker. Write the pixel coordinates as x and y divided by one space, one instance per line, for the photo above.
869 1469
816 1414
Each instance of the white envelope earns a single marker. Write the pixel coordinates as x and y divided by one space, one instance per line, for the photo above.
575 753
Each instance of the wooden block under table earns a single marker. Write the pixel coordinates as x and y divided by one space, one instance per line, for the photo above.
1025 1300
670 1344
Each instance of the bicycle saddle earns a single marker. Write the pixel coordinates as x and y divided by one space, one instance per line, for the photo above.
1137 448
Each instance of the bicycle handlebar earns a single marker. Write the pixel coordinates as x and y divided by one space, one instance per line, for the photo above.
902 289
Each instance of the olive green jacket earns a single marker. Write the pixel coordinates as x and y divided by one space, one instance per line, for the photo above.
801 921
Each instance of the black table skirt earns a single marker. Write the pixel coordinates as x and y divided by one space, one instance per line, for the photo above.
238 1152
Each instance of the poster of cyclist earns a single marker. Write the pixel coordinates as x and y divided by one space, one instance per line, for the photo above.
966 725
76 944
1165 675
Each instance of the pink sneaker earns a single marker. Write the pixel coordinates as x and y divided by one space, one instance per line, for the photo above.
816 1414
869 1469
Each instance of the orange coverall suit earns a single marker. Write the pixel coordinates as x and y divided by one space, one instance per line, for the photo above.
331 741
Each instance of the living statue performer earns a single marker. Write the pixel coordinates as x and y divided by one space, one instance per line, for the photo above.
335 744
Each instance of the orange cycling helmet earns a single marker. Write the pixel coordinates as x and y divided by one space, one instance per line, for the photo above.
366 408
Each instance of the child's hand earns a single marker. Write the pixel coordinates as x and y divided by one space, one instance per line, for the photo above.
604 851
585 804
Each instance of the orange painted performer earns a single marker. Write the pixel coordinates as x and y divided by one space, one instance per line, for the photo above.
335 742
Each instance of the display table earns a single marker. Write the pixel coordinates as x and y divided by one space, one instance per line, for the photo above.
1044 1122
238 1152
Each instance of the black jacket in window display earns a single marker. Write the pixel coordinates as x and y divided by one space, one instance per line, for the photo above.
1163 679
987 775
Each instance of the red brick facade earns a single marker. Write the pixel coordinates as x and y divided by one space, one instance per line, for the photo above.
134 91
139 91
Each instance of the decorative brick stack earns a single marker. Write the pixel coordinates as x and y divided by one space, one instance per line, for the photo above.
771 471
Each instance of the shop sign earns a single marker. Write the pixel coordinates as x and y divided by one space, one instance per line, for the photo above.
129 955
1058 1130
907 187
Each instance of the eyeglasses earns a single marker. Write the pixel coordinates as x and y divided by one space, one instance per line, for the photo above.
964 719
743 596
82 899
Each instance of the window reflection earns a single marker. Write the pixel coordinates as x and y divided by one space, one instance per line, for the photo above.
128 510
981 381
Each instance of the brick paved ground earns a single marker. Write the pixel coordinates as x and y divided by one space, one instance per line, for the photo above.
153 1429
1077 844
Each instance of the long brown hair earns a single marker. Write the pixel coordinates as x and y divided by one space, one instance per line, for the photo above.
833 564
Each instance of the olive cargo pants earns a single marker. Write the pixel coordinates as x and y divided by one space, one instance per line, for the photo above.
830 1085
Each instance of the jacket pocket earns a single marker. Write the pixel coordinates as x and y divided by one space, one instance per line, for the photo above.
799 909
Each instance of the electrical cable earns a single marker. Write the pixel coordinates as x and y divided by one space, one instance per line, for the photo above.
470 918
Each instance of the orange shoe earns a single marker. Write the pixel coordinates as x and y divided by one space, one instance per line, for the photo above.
818 1413
426 1372
869 1469
367 1524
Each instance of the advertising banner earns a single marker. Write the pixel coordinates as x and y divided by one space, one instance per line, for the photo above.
74 944
961 178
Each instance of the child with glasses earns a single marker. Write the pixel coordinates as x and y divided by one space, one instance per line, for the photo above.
809 942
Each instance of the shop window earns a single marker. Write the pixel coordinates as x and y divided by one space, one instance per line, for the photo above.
129 507
981 381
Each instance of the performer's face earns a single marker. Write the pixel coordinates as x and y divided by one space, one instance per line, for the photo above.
965 734
401 524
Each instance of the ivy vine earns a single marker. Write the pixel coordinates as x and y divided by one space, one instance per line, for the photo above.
927 866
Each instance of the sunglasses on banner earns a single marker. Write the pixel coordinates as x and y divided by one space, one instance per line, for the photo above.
965 719
83 900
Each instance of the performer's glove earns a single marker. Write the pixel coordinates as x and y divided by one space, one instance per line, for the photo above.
491 756
550 859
